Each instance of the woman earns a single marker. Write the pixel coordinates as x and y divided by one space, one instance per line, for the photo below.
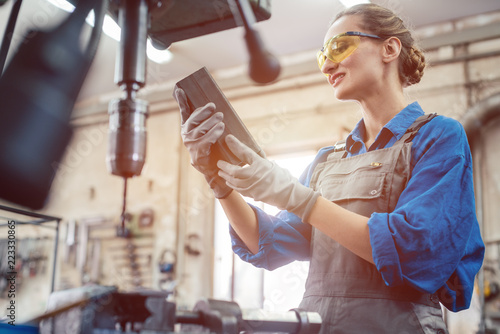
387 219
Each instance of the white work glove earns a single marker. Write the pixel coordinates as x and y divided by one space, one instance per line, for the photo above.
199 131
265 181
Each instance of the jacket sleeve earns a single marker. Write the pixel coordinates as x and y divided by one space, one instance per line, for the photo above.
431 240
282 238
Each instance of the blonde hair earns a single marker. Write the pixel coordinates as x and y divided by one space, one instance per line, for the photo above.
385 23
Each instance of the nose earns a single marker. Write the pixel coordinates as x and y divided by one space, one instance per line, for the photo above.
328 67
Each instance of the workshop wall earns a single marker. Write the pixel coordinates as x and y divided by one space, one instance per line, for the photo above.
296 114
169 191
84 191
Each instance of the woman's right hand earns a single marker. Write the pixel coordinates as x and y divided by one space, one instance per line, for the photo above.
199 131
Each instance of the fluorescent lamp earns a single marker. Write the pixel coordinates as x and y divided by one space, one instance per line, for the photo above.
112 29
63 4
350 3
109 26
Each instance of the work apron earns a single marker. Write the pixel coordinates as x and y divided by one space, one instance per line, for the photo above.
347 291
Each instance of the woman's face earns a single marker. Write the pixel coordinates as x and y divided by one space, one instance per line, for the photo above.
359 75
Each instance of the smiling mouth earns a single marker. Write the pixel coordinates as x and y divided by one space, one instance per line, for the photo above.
337 78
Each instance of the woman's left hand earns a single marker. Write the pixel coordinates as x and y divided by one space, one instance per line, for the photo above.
265 181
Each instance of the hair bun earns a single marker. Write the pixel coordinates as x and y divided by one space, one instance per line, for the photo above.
414 66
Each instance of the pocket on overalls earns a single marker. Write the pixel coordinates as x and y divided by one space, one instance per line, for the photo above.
430 319
366 186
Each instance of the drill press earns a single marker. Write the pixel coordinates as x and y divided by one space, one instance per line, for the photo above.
127 116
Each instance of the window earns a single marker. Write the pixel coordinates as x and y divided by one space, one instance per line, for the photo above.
278 290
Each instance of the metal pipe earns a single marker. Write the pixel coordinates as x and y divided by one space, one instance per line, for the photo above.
27 213
56 243
127 116
464 58
130 69
9 33
477 159
252 320
479 115
473 121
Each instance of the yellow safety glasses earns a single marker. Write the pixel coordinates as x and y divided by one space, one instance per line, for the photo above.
341 46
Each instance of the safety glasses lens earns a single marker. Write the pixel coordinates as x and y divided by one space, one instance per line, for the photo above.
338 49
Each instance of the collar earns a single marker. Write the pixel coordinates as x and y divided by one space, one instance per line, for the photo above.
395 128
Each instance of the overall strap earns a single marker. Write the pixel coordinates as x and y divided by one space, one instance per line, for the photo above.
413 129
339 148
339 151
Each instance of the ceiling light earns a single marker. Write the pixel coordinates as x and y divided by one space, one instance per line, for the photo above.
112 29
63 4
158 56
350 3
109 26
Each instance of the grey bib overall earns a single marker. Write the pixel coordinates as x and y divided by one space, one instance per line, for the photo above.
347 291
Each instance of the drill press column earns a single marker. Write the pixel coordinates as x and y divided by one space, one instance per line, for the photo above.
127 121
127 116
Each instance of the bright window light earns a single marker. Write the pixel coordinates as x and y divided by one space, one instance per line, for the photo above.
109 26
274 291
350 3
112 29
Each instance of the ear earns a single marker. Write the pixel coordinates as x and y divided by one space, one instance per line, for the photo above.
391 49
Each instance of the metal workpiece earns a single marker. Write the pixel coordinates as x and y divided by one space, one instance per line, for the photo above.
219 316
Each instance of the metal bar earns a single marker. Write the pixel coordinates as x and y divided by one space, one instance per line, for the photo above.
56 243
473 121
38 223
477 158
464 58
44 219
257 320
188 317
464 36
27 213
9 33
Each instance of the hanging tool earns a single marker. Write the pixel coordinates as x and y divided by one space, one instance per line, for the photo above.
122 230
263 67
